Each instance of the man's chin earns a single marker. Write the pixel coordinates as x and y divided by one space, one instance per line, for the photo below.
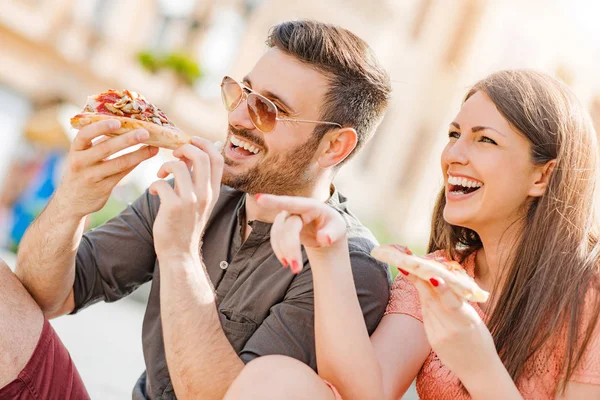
232 171
234 179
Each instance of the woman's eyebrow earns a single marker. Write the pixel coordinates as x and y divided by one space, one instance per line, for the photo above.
477 128
482 128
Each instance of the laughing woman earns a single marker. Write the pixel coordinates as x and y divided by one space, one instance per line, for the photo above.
516 211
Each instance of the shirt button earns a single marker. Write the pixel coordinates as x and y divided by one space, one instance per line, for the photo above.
223 264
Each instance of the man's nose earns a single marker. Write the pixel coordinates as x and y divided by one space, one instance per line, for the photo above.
240 117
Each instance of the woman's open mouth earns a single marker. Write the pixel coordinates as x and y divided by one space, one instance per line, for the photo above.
458 186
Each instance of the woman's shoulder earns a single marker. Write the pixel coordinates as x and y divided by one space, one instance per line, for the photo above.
591 301
588 370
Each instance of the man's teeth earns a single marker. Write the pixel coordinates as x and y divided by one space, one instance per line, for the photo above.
453 180
244 145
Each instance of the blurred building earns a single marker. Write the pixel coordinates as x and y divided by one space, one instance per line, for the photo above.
60 51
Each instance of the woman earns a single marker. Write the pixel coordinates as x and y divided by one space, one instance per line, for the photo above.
516 210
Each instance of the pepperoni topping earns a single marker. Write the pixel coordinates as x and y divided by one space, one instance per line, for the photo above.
108 97
129 105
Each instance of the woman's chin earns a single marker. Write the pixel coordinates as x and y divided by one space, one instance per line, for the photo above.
461 219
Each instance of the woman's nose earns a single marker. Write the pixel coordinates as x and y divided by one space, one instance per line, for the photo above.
457 152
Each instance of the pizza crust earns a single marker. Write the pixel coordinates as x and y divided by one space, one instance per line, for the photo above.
455 276
160 136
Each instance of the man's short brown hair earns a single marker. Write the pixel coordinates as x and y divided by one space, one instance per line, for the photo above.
359 88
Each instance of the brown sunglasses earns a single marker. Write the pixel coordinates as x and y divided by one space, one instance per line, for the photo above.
262 111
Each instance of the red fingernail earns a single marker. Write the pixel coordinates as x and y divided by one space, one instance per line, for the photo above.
403 271
434 282
284 262
295 267
404 249
257 196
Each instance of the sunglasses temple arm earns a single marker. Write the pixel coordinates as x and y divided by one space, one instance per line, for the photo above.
309 121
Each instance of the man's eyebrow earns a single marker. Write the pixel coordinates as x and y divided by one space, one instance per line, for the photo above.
270 95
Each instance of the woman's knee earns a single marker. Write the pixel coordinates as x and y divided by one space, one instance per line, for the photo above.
272 377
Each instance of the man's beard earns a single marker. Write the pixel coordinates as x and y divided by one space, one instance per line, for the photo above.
282 174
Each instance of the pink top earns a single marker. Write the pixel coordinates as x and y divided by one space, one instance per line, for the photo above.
436 381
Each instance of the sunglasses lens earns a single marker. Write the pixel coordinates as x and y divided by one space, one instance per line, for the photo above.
262 112
231 92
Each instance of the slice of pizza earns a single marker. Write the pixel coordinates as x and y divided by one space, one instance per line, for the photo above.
134 112
426 268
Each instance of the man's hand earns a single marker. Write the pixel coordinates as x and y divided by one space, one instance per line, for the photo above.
202 363
89 177
46 260
185 208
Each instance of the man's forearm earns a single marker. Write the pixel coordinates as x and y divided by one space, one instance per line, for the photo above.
46 258
202 363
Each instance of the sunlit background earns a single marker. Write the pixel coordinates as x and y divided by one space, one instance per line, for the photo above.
54 53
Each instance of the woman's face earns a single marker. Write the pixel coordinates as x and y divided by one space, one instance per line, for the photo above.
488 173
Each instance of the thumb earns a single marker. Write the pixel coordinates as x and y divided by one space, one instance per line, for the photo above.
328 235
324 238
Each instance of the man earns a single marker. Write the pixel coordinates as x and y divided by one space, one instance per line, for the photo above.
34 364
219 296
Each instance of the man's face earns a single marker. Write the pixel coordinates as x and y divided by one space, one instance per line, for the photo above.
286 161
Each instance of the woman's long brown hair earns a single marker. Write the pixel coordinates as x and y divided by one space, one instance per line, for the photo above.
557 259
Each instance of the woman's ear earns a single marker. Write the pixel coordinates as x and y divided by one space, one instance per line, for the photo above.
543 173
336 146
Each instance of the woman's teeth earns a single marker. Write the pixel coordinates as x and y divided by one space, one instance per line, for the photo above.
462 185
464 182
244 145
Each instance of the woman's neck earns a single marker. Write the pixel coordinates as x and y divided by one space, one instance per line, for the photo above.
496 254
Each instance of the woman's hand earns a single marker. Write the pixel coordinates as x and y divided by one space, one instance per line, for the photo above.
454 329
462 341
302 221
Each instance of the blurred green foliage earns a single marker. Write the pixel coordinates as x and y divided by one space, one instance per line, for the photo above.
112 208
385 236
181 64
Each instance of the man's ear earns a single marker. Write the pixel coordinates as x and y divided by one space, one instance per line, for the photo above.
543 174
336 146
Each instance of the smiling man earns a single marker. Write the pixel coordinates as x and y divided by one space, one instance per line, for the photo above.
220 297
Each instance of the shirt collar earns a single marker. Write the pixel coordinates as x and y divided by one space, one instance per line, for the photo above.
263 228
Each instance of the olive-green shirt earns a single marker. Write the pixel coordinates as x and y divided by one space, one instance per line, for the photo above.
263 307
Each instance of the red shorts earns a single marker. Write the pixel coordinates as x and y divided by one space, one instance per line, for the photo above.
49 373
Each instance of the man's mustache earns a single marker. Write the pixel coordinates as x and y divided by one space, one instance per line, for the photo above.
244 134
